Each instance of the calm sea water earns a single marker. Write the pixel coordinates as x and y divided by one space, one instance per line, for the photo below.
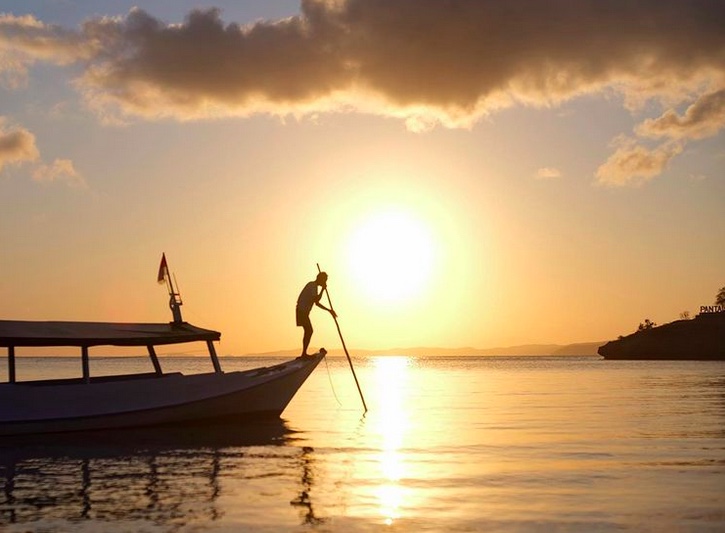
448 444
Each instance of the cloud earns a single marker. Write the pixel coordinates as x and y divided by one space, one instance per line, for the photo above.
704 118
24 40
448 61
425 62
62 170
547 173
634 164
16 145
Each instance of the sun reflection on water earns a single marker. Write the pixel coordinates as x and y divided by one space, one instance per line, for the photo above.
391 374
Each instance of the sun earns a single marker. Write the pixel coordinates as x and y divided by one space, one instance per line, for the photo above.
391 256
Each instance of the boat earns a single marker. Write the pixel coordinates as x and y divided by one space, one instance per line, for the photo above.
141 400
136 400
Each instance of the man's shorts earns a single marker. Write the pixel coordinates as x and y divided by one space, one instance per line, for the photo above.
303 318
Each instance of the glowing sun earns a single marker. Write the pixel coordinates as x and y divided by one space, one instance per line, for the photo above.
391 256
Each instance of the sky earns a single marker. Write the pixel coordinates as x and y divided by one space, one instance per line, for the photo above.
468 173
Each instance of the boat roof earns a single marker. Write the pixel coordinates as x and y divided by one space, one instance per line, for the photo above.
56 333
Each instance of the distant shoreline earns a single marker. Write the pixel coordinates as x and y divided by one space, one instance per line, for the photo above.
530 350
524 350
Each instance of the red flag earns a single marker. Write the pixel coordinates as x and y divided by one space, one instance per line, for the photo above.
163 269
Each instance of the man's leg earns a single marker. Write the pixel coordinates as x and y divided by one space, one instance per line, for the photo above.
306 338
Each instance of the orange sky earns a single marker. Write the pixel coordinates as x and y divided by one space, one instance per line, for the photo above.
459 190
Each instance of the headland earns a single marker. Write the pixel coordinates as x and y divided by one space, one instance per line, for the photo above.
701 338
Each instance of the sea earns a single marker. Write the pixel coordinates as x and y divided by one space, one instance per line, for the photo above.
449 444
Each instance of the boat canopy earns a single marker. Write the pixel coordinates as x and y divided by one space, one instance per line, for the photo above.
25 333
17 333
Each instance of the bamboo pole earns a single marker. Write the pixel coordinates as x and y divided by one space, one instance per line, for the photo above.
344 347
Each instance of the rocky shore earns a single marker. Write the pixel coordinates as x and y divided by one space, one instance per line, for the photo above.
701 338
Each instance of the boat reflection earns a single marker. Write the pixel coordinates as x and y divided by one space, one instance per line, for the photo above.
165 477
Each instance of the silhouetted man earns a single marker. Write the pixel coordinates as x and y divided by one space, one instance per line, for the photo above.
307 298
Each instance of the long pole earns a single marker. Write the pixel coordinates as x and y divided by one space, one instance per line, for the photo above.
339 332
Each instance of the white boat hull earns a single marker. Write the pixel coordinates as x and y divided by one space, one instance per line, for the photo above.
173 399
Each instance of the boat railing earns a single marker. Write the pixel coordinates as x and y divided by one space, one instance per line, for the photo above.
95 379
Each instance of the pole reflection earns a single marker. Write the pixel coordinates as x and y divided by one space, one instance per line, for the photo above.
304 500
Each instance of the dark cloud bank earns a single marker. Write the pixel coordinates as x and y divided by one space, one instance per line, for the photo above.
425 61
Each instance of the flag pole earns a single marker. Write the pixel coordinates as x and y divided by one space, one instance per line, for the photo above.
339 332
174 295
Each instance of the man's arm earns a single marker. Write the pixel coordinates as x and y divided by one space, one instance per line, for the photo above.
318 304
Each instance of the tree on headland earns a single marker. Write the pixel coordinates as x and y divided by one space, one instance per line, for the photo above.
685 315
647 324
720 298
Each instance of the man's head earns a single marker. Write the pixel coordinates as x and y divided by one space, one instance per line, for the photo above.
321 279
